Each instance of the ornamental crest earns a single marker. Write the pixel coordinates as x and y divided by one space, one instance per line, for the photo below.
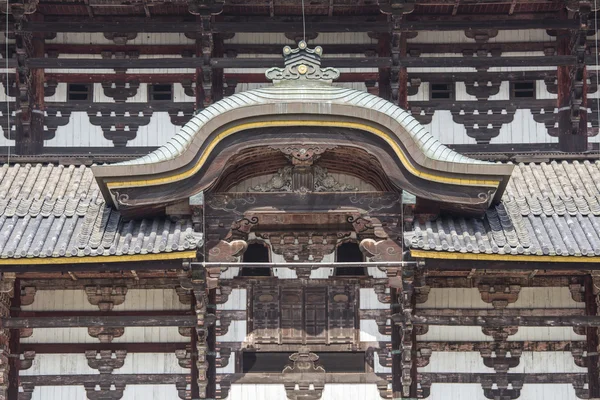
302 63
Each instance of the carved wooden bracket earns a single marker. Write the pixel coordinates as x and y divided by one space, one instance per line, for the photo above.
422 114
481 35
223 387
500 334
105 361
223 359
223 327
367 228
581 391
184 357
184 390
577 292
396 7
7 283
120 91
578 352
26 360
423 356
184 295
385 390
104 391
28 295
483 90
223 293
385 355
27 392
381 251
499 295
420 329
501 362
185 331
104 334
304 362
223 251
120 38
106 297
380 289
25 332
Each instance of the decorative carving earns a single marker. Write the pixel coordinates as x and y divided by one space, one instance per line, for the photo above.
223 293
381 251
499 295
228 203
481 35
396 7
280 182
28 295
26 360
184 390
184 357
501 362
500 334
423 356
205 7
577 292
104 391
120 38
184 295
120 91
27 392
303 155
106 297
104 334
185 331
325 182
482 89
304 362
25 332
105 361
302 63
381 289
223 358
372 202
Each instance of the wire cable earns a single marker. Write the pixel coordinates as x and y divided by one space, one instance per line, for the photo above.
303 22
7 89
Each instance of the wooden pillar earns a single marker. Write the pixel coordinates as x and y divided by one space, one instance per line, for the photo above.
6 292
15 342
217 73
30 94
403 76
591 308
383 50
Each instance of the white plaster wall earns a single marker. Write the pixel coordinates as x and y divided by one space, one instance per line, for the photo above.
256 391
236 333
132 334
135 299
369 301
456 361
337 391
445 391
369 332
141 39
236 301
59 393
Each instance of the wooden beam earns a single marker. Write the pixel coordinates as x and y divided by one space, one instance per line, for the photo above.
103 379
534 346
591 308
466 377
508 312
568 321
338 62
105 321
81 348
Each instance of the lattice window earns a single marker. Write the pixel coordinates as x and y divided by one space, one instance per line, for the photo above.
160 92
79 92
523 90
441 91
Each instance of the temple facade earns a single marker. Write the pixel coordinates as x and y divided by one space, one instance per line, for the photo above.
185 214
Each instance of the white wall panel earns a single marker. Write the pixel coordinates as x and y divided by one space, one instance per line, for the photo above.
142 38
157 132
369 301
337 391
132 334
456 361
503 92
60 93
179 94
378 368
447 391
236 333
79 132
150 392
422 93
76 300
230 368
441 333
547 362
59 364
542 92
545 333
529 35
59 393
548 392
454 298
252 392
369 332
151 363
546 297
236 301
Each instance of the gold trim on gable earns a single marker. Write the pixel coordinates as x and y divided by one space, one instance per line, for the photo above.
447 255
286 123
176 255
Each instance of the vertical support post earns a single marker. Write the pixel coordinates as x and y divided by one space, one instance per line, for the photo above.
592 299
403 76
15 344
217 73
6 292
383 50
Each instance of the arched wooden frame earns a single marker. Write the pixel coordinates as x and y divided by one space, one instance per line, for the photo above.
461 185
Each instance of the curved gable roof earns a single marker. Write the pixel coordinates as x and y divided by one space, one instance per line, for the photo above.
303 97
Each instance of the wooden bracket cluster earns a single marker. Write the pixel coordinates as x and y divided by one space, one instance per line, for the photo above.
105 361
104 391
184 357
499 295
105 334
304 365
106 297
26 360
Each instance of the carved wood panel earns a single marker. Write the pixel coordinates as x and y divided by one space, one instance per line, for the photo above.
291 315
315 313
266 314
342 306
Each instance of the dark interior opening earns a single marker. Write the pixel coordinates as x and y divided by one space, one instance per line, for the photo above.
256 253
441 91
276 362
161 92
79 92
349 252
524 90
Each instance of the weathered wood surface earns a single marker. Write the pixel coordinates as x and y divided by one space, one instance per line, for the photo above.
81 348
478 346
104 321
120 379
578 321
539 378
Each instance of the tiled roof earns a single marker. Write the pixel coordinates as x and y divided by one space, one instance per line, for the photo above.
547 209
58 211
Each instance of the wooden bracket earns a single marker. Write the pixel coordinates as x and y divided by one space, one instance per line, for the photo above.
106 297
499 295
184 357
104 361
27 360
105 391
104 334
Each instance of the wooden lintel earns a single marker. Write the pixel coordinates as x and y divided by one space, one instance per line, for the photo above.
465 377
534 346
103 321
103 379
568 321
508 312
81 348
